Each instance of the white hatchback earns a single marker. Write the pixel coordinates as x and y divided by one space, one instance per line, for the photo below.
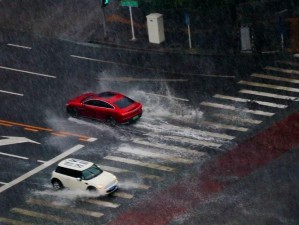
83 175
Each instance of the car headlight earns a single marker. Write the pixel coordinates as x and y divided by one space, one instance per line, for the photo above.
100 186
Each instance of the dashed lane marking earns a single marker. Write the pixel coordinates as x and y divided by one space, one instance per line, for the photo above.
139 163
41 167
267 94
11 93
228 107
257 84
65 208
270 104
102 203
136 151
269 77
40 215
19 46
282 70
14 156
236 118
27 72
13 222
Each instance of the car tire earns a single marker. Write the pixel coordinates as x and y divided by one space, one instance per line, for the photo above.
92 189
72 112
57 185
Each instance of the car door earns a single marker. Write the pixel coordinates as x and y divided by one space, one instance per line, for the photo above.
88 109
103 110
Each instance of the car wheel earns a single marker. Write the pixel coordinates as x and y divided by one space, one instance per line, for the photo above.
57 185
92 189
73 112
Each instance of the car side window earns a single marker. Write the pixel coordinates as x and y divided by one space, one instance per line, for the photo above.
68 172
90 102
103 104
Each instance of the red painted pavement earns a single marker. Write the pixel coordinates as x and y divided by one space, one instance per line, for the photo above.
256 152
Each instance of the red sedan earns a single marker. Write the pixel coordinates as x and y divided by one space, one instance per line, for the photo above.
106 106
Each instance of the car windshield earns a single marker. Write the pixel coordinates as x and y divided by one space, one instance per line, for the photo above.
106 94
124 102
91 172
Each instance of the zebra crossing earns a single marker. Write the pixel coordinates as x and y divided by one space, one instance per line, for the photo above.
150 157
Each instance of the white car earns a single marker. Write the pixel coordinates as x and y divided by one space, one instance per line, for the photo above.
83 175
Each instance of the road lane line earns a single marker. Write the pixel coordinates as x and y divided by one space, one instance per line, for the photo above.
122 195
224 126
169 148
130 79
28 72
13 222
12 93
270 104
39 215
228 107
65 208
236 118
270 95
102 203
58 134
41 167
269 77
170 97
25 125
288 63
5 124
256 84
3 182
19 46
136 151
281 70
139 163
30 129
14 156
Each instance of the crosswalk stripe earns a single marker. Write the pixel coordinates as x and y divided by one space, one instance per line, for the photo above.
288 63
65 208
270 104
102 203
227 107
195 132
39 215
282 70
139 163
235 117
270 95
296 55
192 141
224 126
122 195
133 185
13 222
256 84
269 77
119 170
169 147
136 151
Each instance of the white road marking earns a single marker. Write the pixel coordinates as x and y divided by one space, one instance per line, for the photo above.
64 208
133 185
40 215
296 55
282 70
228 107
270 104
170 97
9 140
3 182
19 46
136 151
224 126
15 156
169 148
139 163
92 139
270 95
130 79
41 161
102 203
41 167
236 118
191 141
122 195
13 222
256 84
288 63
11 93
28 72
269 77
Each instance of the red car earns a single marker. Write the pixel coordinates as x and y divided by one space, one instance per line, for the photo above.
106 106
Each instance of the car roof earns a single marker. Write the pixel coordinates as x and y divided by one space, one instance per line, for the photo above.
107 96
75 164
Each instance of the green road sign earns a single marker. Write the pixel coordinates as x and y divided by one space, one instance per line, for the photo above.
129 3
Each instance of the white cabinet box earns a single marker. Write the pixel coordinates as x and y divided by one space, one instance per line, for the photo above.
155 28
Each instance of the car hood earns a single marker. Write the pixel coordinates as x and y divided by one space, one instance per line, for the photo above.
105 179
